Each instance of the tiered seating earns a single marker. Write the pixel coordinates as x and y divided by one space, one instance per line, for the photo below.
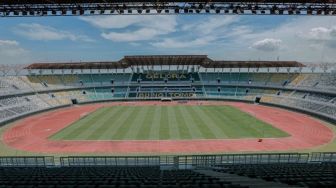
279 79
33 82
317 106
327 81
104 79
320 97
13 84
70 79
306 174
104 177
51 80
36 100
297 80
259 78
44 91
4 114
50 99
310 80
14 106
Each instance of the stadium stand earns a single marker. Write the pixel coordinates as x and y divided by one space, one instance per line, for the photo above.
313 93
26 93
303 175
106 177
204 171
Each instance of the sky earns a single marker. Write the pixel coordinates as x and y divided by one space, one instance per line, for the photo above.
310 39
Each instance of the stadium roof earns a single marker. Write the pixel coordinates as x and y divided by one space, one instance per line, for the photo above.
162 1
158 60
9 8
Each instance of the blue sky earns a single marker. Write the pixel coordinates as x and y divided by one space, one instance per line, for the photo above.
95 38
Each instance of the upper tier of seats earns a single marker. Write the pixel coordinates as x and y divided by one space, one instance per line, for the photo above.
326 81
19 84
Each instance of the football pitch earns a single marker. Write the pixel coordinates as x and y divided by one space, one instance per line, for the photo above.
180 122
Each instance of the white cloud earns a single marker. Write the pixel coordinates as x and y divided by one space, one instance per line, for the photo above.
36 31
306 39
175 43
113 22
268 44
321 36
202 32
135 28
12 53
216 24
138 35
8 42
322 33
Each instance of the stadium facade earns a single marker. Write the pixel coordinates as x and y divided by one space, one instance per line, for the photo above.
43 86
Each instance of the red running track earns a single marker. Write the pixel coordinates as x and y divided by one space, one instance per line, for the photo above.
31 134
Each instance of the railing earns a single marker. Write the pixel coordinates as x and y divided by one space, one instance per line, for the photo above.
181 162
110 161
323 157
259 158
27 161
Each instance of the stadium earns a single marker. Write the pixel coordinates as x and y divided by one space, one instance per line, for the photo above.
188 108
229 114
164 105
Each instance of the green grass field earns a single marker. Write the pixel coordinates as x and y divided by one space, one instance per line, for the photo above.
167 123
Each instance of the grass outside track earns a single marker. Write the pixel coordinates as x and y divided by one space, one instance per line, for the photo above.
167 123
